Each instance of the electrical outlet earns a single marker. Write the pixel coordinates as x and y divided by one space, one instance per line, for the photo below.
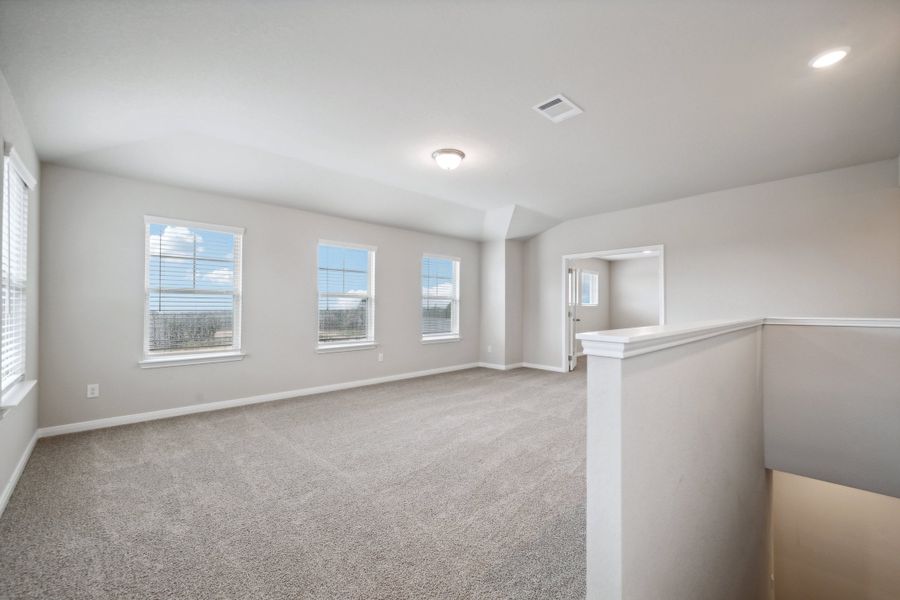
381 357
93 390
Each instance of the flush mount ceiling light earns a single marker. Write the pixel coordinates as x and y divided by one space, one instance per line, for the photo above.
829 58
448 158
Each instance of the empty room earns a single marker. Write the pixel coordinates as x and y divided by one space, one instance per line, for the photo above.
441 300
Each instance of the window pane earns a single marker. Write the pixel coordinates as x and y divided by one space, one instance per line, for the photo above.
193 288
343 318
437 316
343 270
182 324
345 304
589 284
13 275
439 296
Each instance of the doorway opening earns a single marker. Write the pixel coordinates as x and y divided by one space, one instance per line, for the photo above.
610 289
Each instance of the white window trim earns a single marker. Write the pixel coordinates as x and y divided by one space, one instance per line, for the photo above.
192 356
594 292
441 339
328 348
177 360
348 346
10 153
17 390
151 219
453 336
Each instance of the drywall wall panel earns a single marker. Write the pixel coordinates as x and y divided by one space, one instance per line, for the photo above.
93 282
634 292
818 245
832 404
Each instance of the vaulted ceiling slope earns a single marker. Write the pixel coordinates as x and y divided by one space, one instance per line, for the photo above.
336 106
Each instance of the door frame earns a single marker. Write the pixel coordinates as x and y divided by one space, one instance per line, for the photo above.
658 249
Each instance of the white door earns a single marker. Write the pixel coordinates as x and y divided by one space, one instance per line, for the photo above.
572 317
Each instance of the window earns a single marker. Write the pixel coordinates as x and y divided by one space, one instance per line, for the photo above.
346 295
193 289
590 283
14 279
440 297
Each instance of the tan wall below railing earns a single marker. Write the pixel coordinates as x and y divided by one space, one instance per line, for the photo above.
833 542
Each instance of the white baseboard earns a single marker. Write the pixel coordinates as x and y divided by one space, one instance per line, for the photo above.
17 472
544 367
526 365
500 367
209 406
223 404
496 366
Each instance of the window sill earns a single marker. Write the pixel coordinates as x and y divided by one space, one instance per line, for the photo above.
441 339
327 348
178 360
16 393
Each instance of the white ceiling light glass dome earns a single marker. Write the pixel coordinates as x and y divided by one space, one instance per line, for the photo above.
448 158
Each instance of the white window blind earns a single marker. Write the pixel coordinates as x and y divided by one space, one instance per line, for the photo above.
590 293
14 273
440 297
193 287
346 294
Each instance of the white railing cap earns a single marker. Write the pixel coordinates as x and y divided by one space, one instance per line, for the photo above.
835 321
622 343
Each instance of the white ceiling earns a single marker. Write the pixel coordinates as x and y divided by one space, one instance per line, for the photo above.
337 106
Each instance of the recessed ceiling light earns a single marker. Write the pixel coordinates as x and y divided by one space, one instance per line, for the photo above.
829 58
647 252
448 158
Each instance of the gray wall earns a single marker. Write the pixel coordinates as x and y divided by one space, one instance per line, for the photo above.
515 290
832 404
19 424
93 280
634 292
502 264
818 245
492 348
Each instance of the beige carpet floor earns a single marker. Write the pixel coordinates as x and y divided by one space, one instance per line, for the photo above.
462 485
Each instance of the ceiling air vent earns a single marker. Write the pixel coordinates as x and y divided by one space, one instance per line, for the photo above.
558 108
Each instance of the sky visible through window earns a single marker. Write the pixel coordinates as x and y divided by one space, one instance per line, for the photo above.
343 270
344 294
438 295
191 287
